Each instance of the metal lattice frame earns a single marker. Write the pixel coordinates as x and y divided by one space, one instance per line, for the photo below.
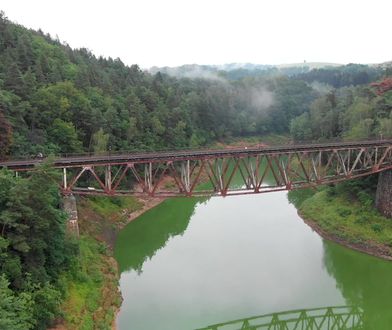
285 170
217 172
329 318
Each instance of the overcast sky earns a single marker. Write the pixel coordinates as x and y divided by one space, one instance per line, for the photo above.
176 32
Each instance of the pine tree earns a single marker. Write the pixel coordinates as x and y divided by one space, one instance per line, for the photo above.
5 135
13 80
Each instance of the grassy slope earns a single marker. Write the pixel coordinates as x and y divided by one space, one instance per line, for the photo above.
92 294
92 286
349 222
101 217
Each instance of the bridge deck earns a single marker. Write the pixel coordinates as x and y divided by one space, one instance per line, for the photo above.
180 155
182 173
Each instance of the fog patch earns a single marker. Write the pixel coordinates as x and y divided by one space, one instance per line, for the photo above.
321 88
261 98
191 72
199 73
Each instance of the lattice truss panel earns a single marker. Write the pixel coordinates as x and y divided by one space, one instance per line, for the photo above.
329 318
231 175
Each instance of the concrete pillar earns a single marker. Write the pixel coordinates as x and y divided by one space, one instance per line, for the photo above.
384 193
69 206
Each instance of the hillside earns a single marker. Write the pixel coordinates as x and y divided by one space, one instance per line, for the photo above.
56 100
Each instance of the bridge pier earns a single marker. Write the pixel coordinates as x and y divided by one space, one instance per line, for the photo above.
384 193
69 206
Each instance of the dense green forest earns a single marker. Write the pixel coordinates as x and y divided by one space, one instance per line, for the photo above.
34 250
350 113
56 100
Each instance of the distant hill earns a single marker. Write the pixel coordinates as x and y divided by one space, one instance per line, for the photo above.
310 65
186 68
235 71
385 65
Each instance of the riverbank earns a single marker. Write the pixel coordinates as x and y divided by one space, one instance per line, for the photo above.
348 222
94 299
92 296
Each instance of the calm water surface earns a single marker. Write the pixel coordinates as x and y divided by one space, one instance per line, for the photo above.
189 263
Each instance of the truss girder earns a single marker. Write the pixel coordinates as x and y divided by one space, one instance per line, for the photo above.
331 318
230 175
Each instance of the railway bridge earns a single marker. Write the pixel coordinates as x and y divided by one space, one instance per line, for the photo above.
211 172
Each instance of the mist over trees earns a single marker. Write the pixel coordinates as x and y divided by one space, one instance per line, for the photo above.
55 100
351 113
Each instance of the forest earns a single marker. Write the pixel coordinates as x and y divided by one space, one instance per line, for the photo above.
58 100
54 100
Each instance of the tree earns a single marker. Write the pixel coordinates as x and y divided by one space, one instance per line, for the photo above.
300 128
385 127
34 248
14 80
361 130
16 311
5 135
64 135
100 141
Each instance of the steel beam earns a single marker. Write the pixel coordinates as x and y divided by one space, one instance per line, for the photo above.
254 170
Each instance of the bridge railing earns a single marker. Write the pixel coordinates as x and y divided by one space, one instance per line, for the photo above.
260 145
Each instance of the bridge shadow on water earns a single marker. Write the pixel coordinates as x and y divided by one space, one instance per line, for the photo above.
365 283
327 318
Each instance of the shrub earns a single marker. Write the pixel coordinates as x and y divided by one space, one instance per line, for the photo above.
331 191
362 219
343 212
365 199
377 228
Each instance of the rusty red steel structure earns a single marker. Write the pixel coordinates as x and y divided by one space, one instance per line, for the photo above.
211 172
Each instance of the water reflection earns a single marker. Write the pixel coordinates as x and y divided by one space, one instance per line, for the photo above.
238 256
231 257
364 281
150 232
326 318
297 197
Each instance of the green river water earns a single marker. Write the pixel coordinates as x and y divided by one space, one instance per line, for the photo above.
190 263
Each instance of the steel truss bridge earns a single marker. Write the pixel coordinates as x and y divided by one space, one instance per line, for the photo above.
223 172
328 318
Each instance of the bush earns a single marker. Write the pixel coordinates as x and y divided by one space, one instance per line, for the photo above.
377 228
331 191
117 201
365 199
362 219
343 212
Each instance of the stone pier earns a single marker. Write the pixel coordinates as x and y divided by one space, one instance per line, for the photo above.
384 193
69 206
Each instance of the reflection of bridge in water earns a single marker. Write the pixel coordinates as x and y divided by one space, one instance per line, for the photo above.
327 318
180 173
